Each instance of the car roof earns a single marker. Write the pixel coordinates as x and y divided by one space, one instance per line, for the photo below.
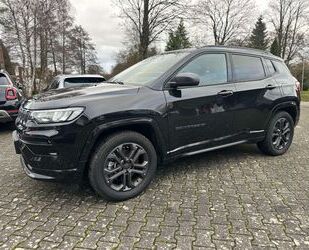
78 76
6 74
231 49
2 71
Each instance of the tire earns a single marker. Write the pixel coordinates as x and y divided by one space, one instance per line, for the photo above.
112 158
278 142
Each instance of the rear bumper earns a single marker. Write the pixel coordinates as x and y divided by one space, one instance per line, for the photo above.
9 110
43 167
5 117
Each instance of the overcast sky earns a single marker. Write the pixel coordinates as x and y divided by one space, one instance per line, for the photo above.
99 18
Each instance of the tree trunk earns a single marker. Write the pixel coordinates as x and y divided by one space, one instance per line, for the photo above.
53 53
44 51
144 39
63 52
35 32
17 30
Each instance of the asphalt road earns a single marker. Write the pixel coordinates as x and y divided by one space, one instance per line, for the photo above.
232 198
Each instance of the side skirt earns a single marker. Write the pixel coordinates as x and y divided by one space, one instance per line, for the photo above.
214 148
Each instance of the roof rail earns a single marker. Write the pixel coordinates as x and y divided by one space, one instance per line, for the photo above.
238 47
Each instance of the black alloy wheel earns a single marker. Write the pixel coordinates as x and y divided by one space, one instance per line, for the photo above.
126 167
122 166
279 135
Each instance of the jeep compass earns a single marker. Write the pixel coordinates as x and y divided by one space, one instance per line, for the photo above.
171 105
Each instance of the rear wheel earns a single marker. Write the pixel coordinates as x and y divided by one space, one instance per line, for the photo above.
279 135
123 166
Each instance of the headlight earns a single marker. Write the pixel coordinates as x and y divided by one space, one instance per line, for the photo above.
56 115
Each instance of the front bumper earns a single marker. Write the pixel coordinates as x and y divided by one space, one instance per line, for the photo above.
43 167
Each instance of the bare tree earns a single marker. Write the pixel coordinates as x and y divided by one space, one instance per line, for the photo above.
148 19
17 23
38 35
290 21
65 22
227 19
84 50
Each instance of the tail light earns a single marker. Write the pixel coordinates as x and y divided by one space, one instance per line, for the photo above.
11 94
298 87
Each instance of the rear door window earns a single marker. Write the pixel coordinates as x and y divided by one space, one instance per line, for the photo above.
77 81
247 68
4 80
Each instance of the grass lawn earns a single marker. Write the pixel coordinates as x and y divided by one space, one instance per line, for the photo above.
305 96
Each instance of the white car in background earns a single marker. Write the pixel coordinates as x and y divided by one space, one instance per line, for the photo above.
68 81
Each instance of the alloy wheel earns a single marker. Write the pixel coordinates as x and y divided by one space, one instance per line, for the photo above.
126 167
281 134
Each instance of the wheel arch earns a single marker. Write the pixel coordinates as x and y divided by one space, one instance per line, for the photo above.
292 108
145 126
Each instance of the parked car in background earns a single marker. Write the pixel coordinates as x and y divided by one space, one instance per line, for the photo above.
168 106
10 98
67 81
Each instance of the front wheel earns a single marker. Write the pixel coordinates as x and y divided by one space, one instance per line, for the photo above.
279 135
123 166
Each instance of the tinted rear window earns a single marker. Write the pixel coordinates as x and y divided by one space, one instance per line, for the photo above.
82 80
247 68
281 67
4 80
270 66
54 84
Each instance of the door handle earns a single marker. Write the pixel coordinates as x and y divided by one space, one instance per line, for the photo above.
226 93
271 86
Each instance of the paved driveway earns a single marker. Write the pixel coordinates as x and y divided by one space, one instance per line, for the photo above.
235 197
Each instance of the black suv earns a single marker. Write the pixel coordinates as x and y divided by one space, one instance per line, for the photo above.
168 106
10 98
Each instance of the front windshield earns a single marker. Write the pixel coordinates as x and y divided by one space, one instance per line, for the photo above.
145 72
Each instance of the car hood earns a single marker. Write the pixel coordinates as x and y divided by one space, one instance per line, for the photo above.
61 98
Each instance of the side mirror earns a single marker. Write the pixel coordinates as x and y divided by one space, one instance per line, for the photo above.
184 80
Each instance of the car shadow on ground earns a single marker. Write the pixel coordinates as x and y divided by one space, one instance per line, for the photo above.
7 127
219 159
215 160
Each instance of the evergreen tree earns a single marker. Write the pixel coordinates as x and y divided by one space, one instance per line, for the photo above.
274 48
178 39
258 38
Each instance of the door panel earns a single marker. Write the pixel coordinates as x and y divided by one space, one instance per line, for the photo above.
255 100
255 94
199 117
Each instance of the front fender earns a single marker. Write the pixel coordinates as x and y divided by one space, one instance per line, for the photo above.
123 124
